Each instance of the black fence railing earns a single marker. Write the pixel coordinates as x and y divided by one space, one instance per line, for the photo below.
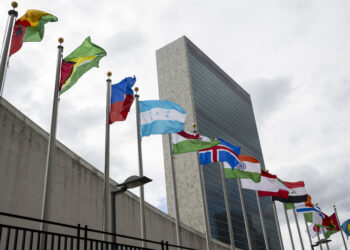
22 233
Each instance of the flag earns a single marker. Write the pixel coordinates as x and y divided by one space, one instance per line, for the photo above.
346 228
299 204
82 59
297 192
247 168
334 228
161 117
122 97
223 152
184 142
313 214
268 185
313 230
29 28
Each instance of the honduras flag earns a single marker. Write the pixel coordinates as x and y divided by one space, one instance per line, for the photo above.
161 117
224 152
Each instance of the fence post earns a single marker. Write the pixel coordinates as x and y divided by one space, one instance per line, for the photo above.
166 245
85 237
162 243
78 236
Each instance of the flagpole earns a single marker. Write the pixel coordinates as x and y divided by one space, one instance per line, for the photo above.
6 46
139 141
204 198
106 189
278 225
250 246
318 236
290 231
177 217
296 221
52 142
324 235
227 205
308 231
262 221
341 231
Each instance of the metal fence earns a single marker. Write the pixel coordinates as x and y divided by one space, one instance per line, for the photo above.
14 236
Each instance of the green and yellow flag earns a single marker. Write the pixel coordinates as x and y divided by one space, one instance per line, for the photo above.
30 28
82 59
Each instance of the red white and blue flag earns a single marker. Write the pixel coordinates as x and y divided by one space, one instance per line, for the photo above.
122 97
224 152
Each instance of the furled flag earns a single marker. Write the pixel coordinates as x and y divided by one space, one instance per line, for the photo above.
122 97
248 168
161 117
268 185
223 152
29 28
297 192
184 142
346 228
82 59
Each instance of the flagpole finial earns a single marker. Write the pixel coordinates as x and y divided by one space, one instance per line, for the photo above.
316 204
334 206
136 90
60 40
14 4
109 74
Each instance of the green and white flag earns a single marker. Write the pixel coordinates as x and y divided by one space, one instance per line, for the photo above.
248 168
184 142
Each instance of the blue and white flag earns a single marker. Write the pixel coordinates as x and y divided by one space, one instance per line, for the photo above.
161 117
224 152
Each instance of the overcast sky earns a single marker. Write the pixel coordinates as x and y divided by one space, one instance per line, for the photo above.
292 56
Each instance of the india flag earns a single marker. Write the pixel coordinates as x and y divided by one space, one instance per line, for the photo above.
248 168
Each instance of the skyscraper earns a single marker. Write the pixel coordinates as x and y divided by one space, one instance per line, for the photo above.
222 109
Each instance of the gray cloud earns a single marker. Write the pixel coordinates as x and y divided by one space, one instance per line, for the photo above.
268 95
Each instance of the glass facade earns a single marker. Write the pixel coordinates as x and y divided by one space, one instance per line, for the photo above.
224 110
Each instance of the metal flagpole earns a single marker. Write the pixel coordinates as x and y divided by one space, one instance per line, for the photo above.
139 141
290 231
341 231
296 221
262 221
106 189
52 142
250 246
204 198
308 231
278 225
6 46
227 205
318 237
324 235
177 217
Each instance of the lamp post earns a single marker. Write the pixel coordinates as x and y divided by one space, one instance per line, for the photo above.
131 182
320 242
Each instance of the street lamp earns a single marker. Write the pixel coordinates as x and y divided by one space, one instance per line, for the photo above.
320 242
131 182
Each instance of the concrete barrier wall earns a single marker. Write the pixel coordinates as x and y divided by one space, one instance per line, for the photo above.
77 189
